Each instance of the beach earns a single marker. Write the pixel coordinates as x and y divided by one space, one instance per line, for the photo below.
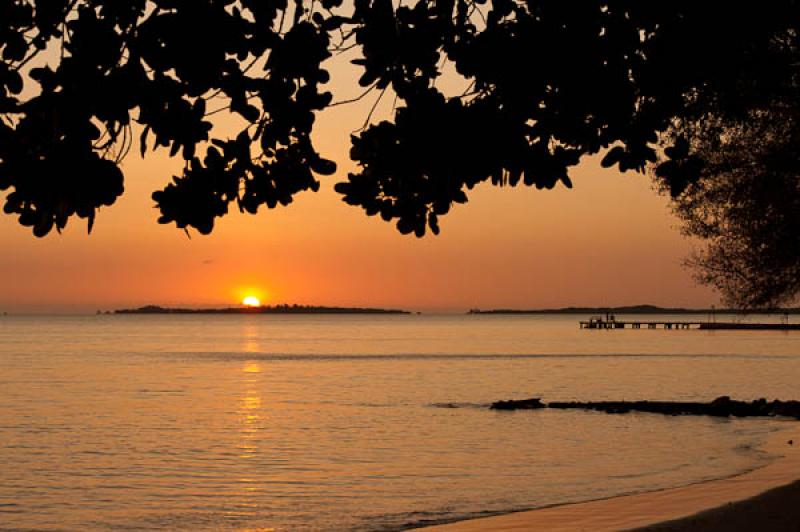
762 499
775 510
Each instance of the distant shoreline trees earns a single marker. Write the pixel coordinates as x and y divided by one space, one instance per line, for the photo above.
703 94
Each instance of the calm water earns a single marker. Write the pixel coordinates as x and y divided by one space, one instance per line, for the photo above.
338 422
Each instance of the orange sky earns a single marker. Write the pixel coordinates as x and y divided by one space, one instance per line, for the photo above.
609 241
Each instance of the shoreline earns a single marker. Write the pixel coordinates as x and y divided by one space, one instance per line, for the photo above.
700 506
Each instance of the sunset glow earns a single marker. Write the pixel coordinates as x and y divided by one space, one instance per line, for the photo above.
251 301
541 240
458 266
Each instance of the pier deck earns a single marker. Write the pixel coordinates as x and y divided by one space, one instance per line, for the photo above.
599 323
641 324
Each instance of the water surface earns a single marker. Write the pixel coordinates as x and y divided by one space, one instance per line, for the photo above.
340 422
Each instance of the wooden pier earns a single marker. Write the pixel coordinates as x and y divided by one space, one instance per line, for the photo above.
610 322
599 323
751 326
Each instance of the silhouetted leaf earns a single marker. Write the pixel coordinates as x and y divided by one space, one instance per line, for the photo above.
324 167
614 156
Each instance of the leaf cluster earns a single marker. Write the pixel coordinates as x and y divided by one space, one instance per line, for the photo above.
705 94
164 67
551 83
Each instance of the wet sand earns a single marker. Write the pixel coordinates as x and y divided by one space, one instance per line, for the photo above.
775 510
763 499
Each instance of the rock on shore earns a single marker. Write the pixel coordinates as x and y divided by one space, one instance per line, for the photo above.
720 407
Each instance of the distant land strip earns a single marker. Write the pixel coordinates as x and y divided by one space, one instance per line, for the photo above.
635 309
275 309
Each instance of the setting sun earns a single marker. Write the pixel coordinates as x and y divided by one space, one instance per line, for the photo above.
251 301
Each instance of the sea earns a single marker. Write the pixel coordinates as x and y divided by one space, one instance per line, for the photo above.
358 422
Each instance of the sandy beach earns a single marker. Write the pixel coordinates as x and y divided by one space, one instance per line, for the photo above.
762 499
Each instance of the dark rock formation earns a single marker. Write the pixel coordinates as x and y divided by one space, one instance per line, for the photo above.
518 404
720 407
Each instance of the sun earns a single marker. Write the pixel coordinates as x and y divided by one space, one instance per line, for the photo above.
251 301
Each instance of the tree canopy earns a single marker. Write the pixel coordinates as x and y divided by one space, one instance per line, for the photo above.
700 93
745 204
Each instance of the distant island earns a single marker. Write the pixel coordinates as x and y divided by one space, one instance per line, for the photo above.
634 309
275 309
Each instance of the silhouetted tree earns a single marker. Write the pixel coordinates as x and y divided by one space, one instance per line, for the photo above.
734 173
549 82
746 204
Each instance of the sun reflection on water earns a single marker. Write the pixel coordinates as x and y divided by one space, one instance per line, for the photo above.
250 418
252 367
250 409
251 343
